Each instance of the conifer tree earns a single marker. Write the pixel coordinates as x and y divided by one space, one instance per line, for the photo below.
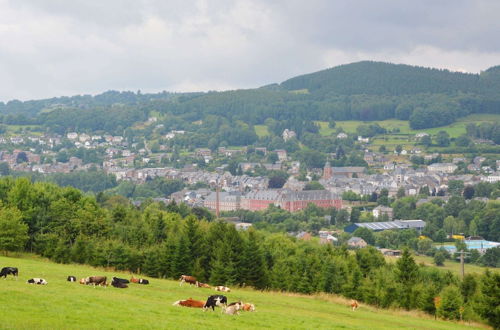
253 268
406 275
451 303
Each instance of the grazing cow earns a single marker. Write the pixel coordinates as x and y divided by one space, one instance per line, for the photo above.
248 307
189 303
354 304
202 285
94 280
233 308
222 288
37 280
9 271
215 300
71 279
139 280
188 279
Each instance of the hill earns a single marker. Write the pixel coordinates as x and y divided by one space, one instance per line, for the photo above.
359 91
62 304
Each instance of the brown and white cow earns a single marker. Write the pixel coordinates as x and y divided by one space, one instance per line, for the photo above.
139 280
202 285
222 288
190 303
94 280
187 279
248 307
354 304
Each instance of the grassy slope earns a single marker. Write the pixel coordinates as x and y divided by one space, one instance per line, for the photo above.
61 304
455 129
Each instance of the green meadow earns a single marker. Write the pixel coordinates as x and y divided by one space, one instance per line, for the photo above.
65 305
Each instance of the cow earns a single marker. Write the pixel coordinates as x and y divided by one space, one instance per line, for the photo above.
202 285
188 279
94 280
9 271
189 303
233 308
121 280
222 288
354 304
71 279
118 283
248 307
139 280
37 280
215 300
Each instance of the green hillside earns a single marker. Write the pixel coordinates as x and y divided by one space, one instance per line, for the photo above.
67 305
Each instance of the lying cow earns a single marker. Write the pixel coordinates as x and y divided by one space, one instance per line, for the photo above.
215 300
139 280
9 271
71 279
222 288
248 307
187 279
94 280
119 285
37 280
354 304
202 285
233 308
121 280
189 303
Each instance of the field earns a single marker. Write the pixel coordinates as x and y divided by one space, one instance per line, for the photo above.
261 130
455 129
453 266
62 304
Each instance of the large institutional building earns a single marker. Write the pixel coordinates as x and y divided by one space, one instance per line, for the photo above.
286 199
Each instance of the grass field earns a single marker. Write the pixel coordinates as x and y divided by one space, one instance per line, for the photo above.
64 305
453 266
455 129
261 130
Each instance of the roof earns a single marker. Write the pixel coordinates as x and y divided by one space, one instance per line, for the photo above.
396 224
355 240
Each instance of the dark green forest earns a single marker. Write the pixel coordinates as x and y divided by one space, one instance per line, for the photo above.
358 91
166 241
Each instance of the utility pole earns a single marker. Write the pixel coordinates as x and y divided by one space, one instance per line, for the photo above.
462 264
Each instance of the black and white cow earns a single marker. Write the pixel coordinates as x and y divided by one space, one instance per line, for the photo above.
215 300
71 279
9 271
37 280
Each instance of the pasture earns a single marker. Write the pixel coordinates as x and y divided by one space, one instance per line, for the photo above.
62 304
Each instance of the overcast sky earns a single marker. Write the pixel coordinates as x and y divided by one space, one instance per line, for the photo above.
66 47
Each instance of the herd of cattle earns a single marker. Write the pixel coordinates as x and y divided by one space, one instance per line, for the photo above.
212 301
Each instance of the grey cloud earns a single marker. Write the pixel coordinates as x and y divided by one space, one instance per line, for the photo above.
56 47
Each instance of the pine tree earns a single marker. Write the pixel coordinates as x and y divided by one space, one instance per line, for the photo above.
489 302
181 261
253 268
406 275
451 303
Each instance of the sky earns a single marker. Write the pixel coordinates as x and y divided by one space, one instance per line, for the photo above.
58 47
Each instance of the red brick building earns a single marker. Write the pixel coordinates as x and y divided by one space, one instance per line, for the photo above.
291 201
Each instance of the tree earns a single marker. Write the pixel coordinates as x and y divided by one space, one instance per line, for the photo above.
314 185
455 187
4 168
406 275
489 301
277 179
426 140
13 232
21 158
443 139
365 234
398 149
463 141
439 257
401 192
451 303
468 192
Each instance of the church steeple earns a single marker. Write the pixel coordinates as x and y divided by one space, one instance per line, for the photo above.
327 171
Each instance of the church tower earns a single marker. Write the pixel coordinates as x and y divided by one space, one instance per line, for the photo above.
327 171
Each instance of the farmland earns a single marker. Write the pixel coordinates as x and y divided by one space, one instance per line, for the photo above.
61 304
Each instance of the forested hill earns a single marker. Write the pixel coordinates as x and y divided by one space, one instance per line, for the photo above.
358 91
378 78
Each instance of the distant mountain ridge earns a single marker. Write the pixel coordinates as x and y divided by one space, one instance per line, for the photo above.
358 91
